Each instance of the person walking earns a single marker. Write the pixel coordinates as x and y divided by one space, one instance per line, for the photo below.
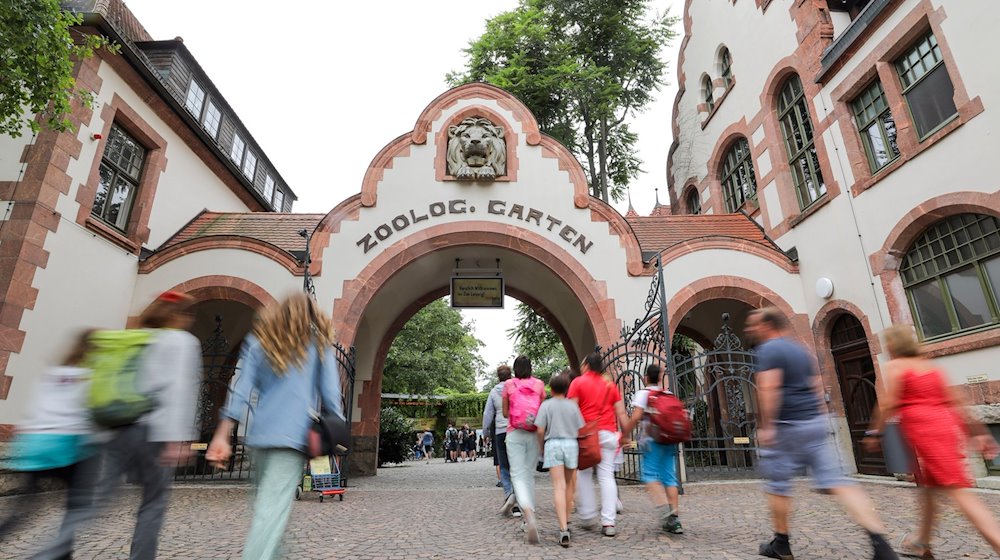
793 433
599 400
427 441
56 440
659 460
153 446
451 438
493 414
559 421
286 360
935 423
522 396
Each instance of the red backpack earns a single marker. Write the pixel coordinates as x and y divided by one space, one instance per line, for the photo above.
523 404
668 420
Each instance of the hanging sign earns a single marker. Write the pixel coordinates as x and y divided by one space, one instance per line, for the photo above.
481 292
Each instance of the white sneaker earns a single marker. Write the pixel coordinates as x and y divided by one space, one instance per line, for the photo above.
507 506
515 512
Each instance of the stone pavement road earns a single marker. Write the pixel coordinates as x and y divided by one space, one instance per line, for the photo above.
450 511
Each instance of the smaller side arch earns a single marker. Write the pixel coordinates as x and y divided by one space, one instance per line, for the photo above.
218 287
822 327
210 242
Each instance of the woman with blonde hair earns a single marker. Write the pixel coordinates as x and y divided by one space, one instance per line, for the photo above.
935 423
286 359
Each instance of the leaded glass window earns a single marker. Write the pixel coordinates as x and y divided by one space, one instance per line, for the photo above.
877 127
927 86
797 130
195 99
726 67
268 187
213 118
706 91
237 149
952 275
119 174
738 181
250 165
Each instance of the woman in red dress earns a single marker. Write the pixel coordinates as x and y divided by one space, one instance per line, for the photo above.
934 422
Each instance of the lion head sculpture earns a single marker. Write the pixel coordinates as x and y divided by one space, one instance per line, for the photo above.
476 150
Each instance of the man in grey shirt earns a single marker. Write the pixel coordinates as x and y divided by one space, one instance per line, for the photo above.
493 414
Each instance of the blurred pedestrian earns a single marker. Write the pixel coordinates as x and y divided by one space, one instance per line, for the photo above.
935 422
56 440
493 415
559 421
599 400
286 360
793 433
521 398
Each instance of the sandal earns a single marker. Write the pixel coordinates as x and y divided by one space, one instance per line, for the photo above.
564 538
912 549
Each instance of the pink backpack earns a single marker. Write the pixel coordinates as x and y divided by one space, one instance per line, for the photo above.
523 403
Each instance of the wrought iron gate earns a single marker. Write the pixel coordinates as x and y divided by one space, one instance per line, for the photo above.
219 366
716 386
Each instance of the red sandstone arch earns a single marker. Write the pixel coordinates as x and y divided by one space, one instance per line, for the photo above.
731 243
822 328
741 289
210 242
219 288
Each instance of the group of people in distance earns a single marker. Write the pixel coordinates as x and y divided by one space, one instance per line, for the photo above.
460 444
794 435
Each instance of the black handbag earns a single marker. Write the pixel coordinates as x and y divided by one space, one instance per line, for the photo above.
329 433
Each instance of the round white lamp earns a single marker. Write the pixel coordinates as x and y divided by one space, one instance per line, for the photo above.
824 288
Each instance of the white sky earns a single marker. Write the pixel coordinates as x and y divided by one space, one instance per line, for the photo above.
324 86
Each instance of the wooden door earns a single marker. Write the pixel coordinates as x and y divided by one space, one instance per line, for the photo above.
856 373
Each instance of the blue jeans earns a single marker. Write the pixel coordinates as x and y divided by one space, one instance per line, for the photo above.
500 452
522 451
801 445
278 473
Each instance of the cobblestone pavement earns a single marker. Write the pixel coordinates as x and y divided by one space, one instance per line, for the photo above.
450 511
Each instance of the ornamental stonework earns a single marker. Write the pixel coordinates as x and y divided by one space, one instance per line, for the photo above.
477 150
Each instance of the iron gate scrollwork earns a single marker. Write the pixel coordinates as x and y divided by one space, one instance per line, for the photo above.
219 367
716 386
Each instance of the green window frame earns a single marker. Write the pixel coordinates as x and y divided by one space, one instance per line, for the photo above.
726 67
739 184
706 91
876 126
927 87
797 131
118 178
951 276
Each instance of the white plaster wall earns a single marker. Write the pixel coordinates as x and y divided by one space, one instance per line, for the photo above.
86 283
185 187
10 154
739 27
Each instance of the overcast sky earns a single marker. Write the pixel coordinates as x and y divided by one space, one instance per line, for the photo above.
324 86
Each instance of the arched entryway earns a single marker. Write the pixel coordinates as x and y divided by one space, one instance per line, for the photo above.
856 374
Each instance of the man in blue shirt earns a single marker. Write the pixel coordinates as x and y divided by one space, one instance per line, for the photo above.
793 433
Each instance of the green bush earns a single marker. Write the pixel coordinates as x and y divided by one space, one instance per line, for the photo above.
395 436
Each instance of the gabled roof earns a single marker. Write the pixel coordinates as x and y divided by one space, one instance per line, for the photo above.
277 228
658 233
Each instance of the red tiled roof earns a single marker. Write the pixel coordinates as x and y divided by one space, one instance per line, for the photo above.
657 233
277 228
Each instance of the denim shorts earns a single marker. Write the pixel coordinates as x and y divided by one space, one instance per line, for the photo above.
659 462
801 446
561 452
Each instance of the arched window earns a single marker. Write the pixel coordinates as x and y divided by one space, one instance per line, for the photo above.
797 129
706 93
693 200
726 67
952 275
738 181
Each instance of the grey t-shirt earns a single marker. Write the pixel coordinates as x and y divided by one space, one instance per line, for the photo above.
560 418
799 400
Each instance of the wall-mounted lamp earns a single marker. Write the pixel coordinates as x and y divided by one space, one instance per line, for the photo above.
824 288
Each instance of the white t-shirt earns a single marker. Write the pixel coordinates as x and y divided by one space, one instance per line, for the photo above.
641 400
60 403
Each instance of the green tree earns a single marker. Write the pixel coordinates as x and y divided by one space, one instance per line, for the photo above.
435 351
534 337
39 48
584 68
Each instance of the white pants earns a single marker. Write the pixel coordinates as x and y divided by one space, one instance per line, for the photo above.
522 453
586 508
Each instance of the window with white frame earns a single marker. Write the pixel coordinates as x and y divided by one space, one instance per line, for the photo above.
213 118
236 152
279 201
119 174
268 187
195 99
927 86
250 165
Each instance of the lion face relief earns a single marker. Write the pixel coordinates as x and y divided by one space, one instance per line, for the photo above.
476 150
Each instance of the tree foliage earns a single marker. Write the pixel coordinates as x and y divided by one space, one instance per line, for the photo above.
434 353
583 67
39 48
534 337
395 436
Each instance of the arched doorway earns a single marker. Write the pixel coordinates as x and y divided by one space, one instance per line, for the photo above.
856 373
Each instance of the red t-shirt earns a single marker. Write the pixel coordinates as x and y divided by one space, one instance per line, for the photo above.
596 397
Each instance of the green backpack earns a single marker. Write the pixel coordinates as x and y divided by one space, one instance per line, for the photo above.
114 361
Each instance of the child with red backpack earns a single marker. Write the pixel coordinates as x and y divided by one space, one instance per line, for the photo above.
664 424
522 396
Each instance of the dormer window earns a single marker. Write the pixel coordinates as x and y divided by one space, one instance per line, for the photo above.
213 118
195 99
236 152
279 201
268 187
250 165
